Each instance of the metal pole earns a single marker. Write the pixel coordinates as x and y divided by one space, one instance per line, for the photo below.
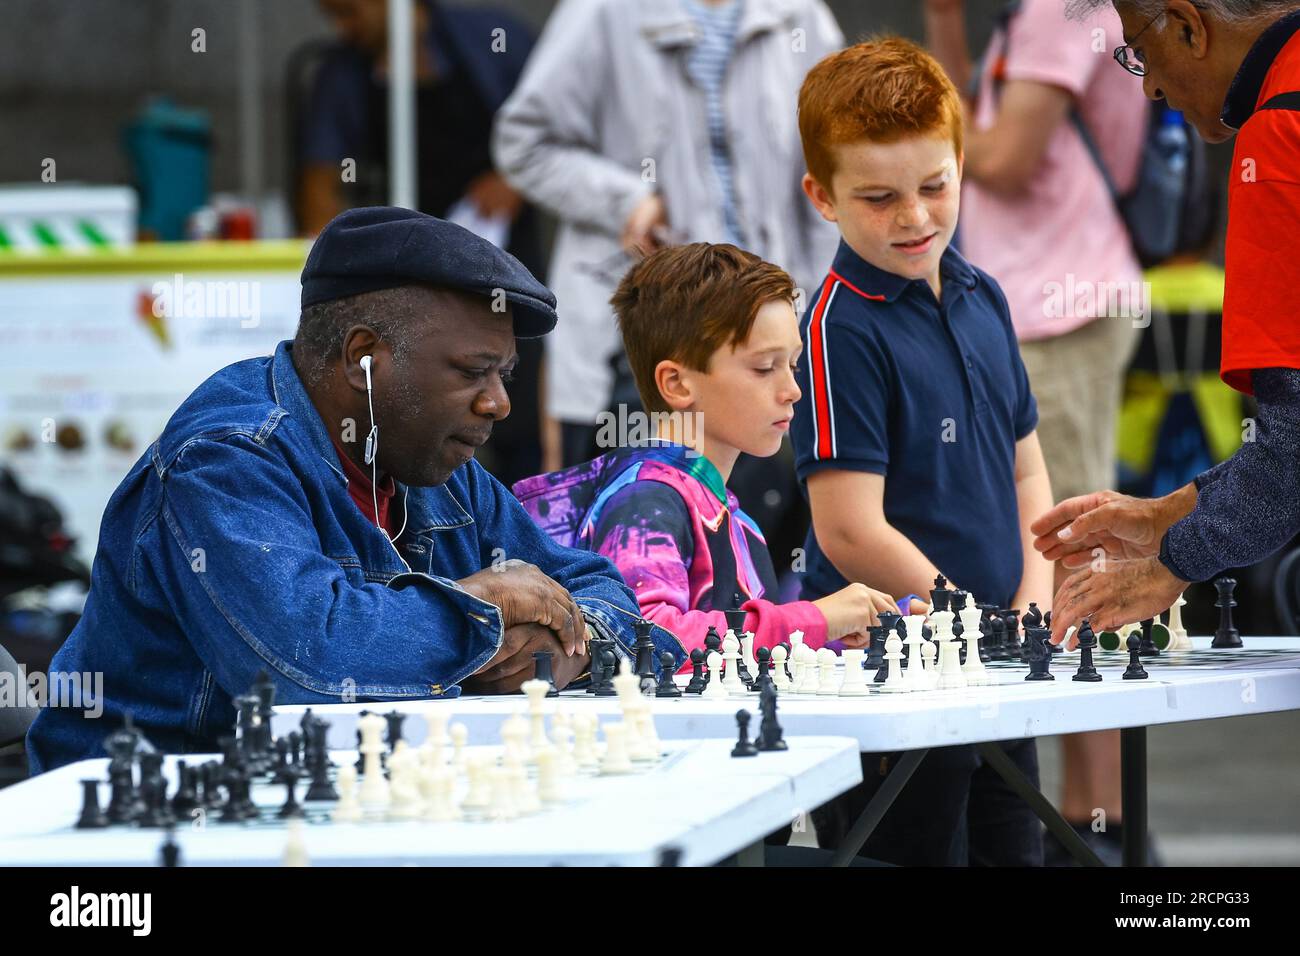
401 104
250 102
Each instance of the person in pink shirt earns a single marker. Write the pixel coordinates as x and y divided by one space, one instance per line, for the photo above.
1038 215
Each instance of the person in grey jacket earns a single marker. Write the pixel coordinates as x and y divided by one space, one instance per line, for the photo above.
642 123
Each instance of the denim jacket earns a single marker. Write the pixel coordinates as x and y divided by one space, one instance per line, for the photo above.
233 546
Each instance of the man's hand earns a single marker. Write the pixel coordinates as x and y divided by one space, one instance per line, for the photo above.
492 196
645 225
527 596
1114 593
1123 527
513 662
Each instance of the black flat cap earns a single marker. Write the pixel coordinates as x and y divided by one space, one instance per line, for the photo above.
381 247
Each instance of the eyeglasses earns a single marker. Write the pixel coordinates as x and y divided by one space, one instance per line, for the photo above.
1130 58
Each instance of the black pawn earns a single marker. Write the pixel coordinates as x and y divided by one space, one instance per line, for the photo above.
959 601
281 760
169 854
321 788
607 664
998 638
291 806
667 687
743 747
1012 620
544 669
122 806
697 682
1226 635
876 649
92 817
395 719
1147 647
1135 670
1087 641
770 736
186 797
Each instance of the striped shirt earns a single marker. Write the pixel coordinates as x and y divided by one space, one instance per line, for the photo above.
707 67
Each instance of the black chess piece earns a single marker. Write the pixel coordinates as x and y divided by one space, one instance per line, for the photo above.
321 788
1146 646
169 854
890 621
959 601
291 807
264 691
789 652
1011 618
154 790
1033 617
712 642
186 797
544 669
607 667
245 732
697 682
281 759
743 747
770 735
875 658
1087 641
1135 670
122 803
210 778
736 624
940 596
92 817
395 719
1226 635
1040 658
997 638
764 661
667 687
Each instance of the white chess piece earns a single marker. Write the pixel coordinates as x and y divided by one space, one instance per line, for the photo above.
715 690
950 673
549 789
808 672
796 642
616 758
502 783
732 683
584 741
827 686
562 741
976 673
914 676
374 788
536 691
523 792
779 677
747 654
1178 639
459 738
404 803
295 847
478 798
855 678
348 809
894 682
441 805
433 751
514 740
929 670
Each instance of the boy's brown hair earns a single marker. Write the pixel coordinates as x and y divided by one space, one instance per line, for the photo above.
882 91
684 303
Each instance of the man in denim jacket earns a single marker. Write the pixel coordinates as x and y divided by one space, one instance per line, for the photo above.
248 537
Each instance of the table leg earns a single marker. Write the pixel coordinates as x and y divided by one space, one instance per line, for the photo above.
1133 793
997 758
883 799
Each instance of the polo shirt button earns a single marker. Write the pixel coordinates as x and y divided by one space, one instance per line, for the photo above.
970 364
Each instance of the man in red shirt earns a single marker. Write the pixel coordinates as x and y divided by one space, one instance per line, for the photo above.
1232 69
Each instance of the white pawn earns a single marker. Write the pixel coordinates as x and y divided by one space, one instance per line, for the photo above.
348 809
433 750
536 691
950 674
523 792
514 736
732 683
715 690
855 678
502 783
647 740
295 848
616 759
405 794
584 741
1178 639
796 659
976 673
549 789
929 671
826 683
459 738
894 682
374 788
779 677
562 741
478 799
441 805
810 673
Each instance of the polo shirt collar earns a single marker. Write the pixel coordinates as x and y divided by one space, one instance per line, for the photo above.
1243 94
875 283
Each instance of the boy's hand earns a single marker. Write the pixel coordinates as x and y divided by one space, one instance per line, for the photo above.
853 609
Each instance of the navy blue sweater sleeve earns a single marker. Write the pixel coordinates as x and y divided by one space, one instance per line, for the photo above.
1249 506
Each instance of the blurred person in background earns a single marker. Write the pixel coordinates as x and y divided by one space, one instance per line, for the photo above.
467 61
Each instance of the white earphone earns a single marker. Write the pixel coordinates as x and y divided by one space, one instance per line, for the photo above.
372 449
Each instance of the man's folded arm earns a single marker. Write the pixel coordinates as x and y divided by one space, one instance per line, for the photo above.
251 586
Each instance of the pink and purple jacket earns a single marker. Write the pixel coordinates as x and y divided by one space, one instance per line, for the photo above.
666 519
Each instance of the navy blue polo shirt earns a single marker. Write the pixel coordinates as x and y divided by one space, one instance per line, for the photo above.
932 395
